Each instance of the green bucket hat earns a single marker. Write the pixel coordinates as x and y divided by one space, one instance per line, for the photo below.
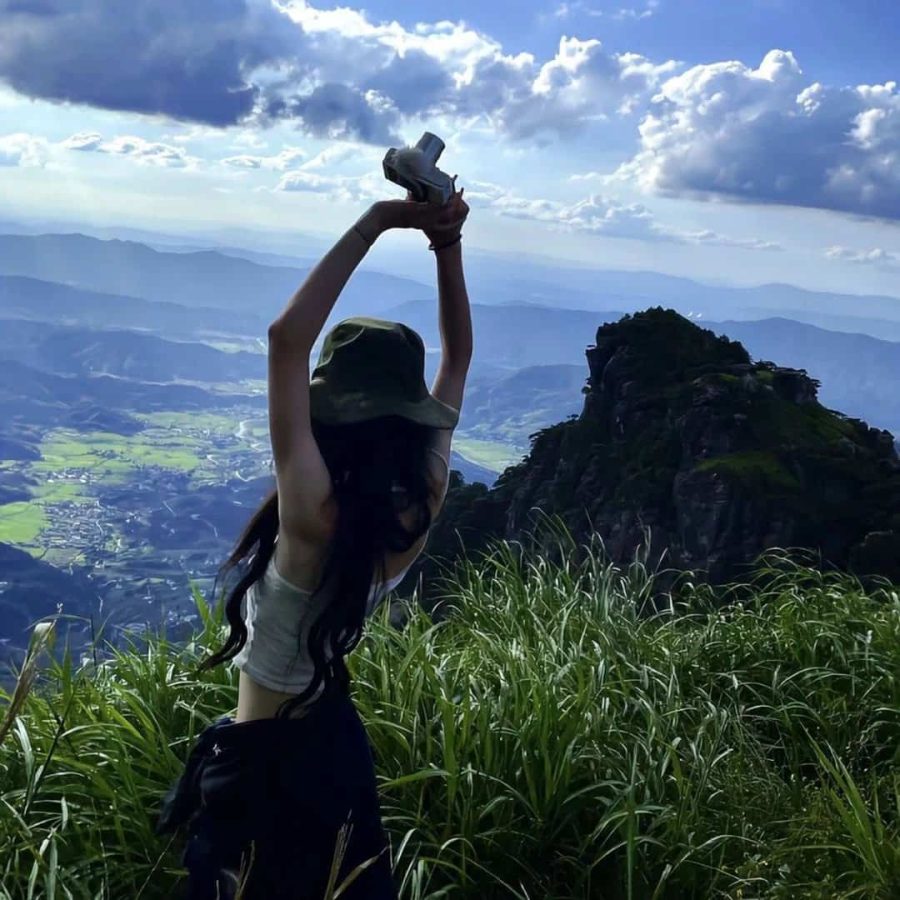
369 368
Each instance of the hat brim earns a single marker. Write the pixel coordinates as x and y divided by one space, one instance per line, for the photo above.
358 406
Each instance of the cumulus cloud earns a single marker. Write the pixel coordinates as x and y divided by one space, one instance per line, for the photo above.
339 188
188 59
877 256
600 216
335 72
580 84
712 237
334 155
620 14
137 148
450 69
22 149
767 135
279 162
83 140
338 112
316 175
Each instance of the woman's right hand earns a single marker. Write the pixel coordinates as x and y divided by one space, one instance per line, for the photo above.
447 224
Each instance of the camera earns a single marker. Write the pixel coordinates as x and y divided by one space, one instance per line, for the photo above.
415 168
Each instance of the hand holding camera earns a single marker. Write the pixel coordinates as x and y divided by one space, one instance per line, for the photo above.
432 203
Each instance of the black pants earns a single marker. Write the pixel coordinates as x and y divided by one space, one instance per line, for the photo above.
270 796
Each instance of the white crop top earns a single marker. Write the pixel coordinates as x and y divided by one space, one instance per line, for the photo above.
279 616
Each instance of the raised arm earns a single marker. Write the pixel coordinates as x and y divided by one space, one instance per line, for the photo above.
304 483
302 320
455 320
303 480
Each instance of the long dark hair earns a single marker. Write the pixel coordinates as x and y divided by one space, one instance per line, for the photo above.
378 469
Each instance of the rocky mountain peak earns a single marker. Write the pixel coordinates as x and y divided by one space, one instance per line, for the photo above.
720 457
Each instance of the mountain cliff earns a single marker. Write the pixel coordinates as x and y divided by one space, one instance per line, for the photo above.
718 456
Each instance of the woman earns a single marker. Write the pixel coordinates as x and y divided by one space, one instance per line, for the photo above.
361 463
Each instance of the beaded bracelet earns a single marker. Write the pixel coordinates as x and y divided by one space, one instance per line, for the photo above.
455 240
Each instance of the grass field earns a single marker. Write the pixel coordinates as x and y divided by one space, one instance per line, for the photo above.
112 455
21 523
489 454
548 740
202 445
215 423
62 492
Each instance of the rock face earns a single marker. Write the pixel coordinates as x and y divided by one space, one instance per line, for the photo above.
719 457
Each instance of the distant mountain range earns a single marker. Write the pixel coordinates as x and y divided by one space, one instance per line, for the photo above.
859 374
34 397
511 407
203 278
126 354
95 332
505 280
856 370
38 300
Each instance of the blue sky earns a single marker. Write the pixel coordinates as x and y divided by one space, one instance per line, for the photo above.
739 141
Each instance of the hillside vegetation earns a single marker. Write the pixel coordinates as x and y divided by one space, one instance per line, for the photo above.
718 456
547 739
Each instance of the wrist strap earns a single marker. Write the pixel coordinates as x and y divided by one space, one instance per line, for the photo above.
455 240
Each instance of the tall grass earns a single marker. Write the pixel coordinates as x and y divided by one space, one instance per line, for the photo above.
549 739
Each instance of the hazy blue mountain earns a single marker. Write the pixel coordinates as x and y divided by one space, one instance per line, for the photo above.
855 370
46 301
203 278
96 403
511 408
129 354
858 373
470 471
516 335
505 278
883 329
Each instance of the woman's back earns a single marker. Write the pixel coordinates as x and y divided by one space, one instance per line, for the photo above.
279 609
272 789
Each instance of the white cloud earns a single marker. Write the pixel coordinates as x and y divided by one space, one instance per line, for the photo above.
877 256
318 175
279 162
22 149
336 73
767 135
711 237
331 156
338 188
83 140
643 10
599 215
449 69
137 148
582 83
